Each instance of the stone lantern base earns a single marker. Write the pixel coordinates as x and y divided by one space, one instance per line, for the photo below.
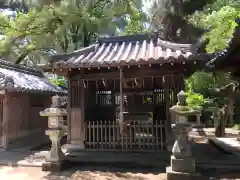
183 165
53 166
75 146
55 157
182 169
173 175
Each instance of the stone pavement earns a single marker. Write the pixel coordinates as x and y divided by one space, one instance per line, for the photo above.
210 132
228 131
230 145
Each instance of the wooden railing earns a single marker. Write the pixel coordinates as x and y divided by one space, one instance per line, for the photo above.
131 135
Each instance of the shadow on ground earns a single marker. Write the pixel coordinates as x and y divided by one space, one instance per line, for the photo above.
111 172
108 172
231 175
211 163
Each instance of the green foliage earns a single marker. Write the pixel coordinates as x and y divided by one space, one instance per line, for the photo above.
201 86
220 25
195 100
202 89
219 18
59 81
205 83
37 26
216 5
134 26
135 22
148 100
63 26
170 19
236 126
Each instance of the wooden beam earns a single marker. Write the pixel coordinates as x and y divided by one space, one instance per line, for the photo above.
127 74
61 72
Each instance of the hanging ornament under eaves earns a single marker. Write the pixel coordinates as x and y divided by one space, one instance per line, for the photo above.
132 83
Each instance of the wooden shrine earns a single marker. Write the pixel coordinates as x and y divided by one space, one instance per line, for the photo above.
121 89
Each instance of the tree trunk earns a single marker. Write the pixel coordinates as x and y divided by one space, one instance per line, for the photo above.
230 119
220 129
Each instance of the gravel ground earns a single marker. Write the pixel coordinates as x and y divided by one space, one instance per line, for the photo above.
97 175
33 173
204 152
227 176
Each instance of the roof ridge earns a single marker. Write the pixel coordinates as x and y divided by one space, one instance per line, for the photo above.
139 37
148 36
126 38
74 53
20 68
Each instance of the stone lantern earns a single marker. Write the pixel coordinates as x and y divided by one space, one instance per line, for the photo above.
56 130
182 162
2 81
6 82
215 115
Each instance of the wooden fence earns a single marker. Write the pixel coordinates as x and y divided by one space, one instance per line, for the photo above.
135 135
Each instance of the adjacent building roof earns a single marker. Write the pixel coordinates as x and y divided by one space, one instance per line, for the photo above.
25 78
128 50
223 59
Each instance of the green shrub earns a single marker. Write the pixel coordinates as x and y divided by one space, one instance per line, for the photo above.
236 126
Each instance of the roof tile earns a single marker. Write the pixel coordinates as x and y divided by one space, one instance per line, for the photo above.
126 50
27 79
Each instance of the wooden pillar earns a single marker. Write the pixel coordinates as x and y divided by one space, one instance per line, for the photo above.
77 116
168 128
69 114
4 123
1 118
121 100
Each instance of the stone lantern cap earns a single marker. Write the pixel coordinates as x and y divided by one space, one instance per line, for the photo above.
55 109
182 98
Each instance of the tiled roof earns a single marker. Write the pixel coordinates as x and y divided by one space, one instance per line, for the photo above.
26 79
128 50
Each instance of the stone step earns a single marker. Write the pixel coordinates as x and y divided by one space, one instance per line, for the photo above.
208 168
229 145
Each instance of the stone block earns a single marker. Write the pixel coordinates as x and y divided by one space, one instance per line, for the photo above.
183 165
53 166
173 175
75 147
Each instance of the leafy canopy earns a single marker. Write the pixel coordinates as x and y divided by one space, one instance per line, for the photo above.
62 26
219 19
220 25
